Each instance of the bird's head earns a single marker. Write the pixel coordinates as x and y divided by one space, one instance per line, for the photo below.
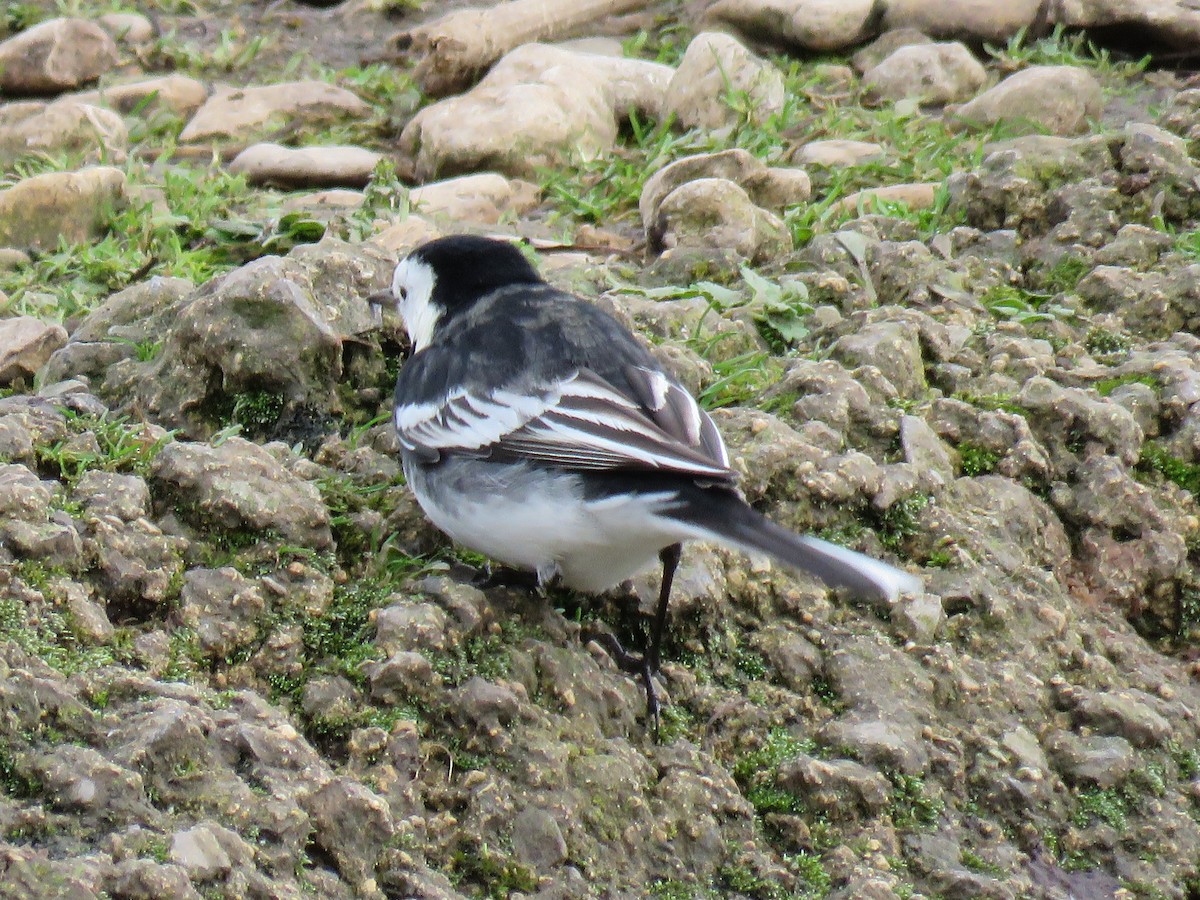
443 278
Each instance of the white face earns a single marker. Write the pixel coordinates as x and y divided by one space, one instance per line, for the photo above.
412 286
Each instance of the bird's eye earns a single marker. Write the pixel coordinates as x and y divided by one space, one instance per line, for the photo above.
403 293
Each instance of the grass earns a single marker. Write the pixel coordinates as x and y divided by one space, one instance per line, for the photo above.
119 445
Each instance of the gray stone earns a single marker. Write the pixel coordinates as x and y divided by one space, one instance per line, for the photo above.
837 154
222 607
65 127
1103 760
885 45
1129 714
893 348
259 112
410 627
25 345
840 788
301 167
1059 99
715 213
55 55
928 73
539 106
714 68
806 24
239 486
537 839
40 211
112 494
175 94
199 852
353 825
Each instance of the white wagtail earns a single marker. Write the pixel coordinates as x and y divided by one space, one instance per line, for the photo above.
536 430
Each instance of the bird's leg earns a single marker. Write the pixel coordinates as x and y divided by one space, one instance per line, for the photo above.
645 665
669 557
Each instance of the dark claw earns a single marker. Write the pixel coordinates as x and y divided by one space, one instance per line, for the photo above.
633 664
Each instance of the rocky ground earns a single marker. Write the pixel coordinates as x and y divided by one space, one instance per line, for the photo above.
940 295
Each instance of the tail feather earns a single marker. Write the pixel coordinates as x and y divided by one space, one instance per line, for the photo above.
736 523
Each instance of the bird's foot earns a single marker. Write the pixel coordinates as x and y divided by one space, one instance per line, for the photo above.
637 664
504 577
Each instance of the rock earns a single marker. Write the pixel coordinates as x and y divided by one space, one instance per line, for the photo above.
55 55
25 345
771 188
1177 27
127 497
539 106
352 824
919 619
300 167
720 83
200 853
921 195
222 607
1101 760
837 154
75 207
239 486
410 627
717 214
926 452
404 674
839 788
176 94
490 707
965 19
885 45
482 199
131 29
893 348
1058 99
405 235
1127 714
269 333
324 206
807 24
246 114
81 780
537 839
928 73
63 127
12 258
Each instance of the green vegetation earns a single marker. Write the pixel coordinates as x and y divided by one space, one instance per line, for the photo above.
1106 386
976 460
1155 458
912 806
1108 805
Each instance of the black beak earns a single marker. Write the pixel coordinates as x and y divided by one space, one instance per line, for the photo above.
378 301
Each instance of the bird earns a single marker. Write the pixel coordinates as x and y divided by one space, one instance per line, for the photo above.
536 430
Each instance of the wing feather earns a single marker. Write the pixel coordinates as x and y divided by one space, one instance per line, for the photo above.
580 422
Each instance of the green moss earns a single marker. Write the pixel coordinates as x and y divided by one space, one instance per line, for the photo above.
901 521
1101 341
1106 386
911 806
1108 805
498 875
977 863
1156 458
14 779
976 460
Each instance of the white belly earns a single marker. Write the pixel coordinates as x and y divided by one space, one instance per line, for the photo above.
533 519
